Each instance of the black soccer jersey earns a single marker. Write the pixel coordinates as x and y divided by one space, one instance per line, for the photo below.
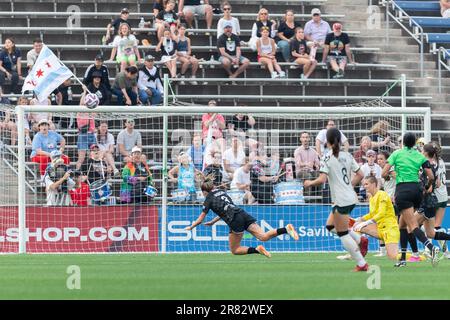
221 204
424 178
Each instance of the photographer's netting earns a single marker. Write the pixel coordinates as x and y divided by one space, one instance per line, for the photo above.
122 226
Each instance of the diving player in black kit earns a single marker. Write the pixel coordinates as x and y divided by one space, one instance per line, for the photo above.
237 219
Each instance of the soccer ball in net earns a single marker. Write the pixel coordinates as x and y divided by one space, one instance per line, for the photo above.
91 100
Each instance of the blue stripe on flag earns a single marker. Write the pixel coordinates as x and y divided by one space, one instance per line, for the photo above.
52 77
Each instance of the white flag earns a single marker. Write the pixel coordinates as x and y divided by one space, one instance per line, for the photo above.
47 74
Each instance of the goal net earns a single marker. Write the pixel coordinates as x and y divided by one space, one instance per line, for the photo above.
127 179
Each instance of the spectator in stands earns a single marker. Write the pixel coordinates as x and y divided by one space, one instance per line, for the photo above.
261 183
123 19
10 65
241 123
44 142
190 8
337 50
233 158
58 181
321 139
36 117
381 139
216 169
185 174
196 151
301 53
136 177
33 54
127 139
95 168
149 83
167 19
262 21
370 168
307 162
241 181
212 123
316 31
125 46
158 5
286 31
229 48
23 101
445 8
266 48
227 18
86 135
105 142
6 122
360 156
168 48
125 87
97 66
80 194
184 54
98 88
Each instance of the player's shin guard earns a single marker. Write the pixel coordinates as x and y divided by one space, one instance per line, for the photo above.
422 238
403 243
352 248
356 236
413 242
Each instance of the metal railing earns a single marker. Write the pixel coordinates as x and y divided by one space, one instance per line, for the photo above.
443 57
417 34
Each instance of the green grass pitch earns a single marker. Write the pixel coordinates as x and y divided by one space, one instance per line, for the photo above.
216 276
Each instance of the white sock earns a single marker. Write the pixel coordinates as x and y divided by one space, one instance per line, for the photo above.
352 248
356 236
383 249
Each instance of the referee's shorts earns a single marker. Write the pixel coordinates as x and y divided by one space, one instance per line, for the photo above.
408 195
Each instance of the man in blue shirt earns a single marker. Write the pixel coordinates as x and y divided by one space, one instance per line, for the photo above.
44 142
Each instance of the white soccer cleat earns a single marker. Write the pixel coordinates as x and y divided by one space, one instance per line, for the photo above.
263 251
292 232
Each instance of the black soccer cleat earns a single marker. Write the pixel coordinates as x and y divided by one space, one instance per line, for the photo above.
400 264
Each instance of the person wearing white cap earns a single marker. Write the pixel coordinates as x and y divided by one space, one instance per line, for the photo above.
136 176
149 82
44 142
229 46
58 181
316 31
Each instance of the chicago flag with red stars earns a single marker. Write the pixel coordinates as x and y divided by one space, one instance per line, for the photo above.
47 74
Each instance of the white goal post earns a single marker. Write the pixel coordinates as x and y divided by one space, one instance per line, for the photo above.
293 117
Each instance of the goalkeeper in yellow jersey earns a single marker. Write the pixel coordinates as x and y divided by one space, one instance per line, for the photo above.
380 222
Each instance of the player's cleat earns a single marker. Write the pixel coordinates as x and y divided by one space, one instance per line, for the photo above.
364 268
363 246
442 245
263 251
400 264
344 257
414 258
291 231
435 256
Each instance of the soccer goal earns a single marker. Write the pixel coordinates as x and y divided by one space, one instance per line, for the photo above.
110 204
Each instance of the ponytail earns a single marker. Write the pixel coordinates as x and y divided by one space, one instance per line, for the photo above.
334 139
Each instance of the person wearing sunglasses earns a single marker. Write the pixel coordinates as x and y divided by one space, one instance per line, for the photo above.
227 18
262 21
316 31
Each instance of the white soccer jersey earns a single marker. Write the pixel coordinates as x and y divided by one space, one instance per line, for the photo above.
441 192
339 171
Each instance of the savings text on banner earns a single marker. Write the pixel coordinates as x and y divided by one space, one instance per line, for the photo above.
47 74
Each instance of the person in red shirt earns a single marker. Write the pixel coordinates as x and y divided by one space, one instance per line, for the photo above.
81 194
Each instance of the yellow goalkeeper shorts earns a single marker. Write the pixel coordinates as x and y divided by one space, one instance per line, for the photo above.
389 234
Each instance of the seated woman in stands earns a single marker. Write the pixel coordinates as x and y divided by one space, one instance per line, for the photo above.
262 21
267 48
125 46
184 54
300 53
105 141
168 48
